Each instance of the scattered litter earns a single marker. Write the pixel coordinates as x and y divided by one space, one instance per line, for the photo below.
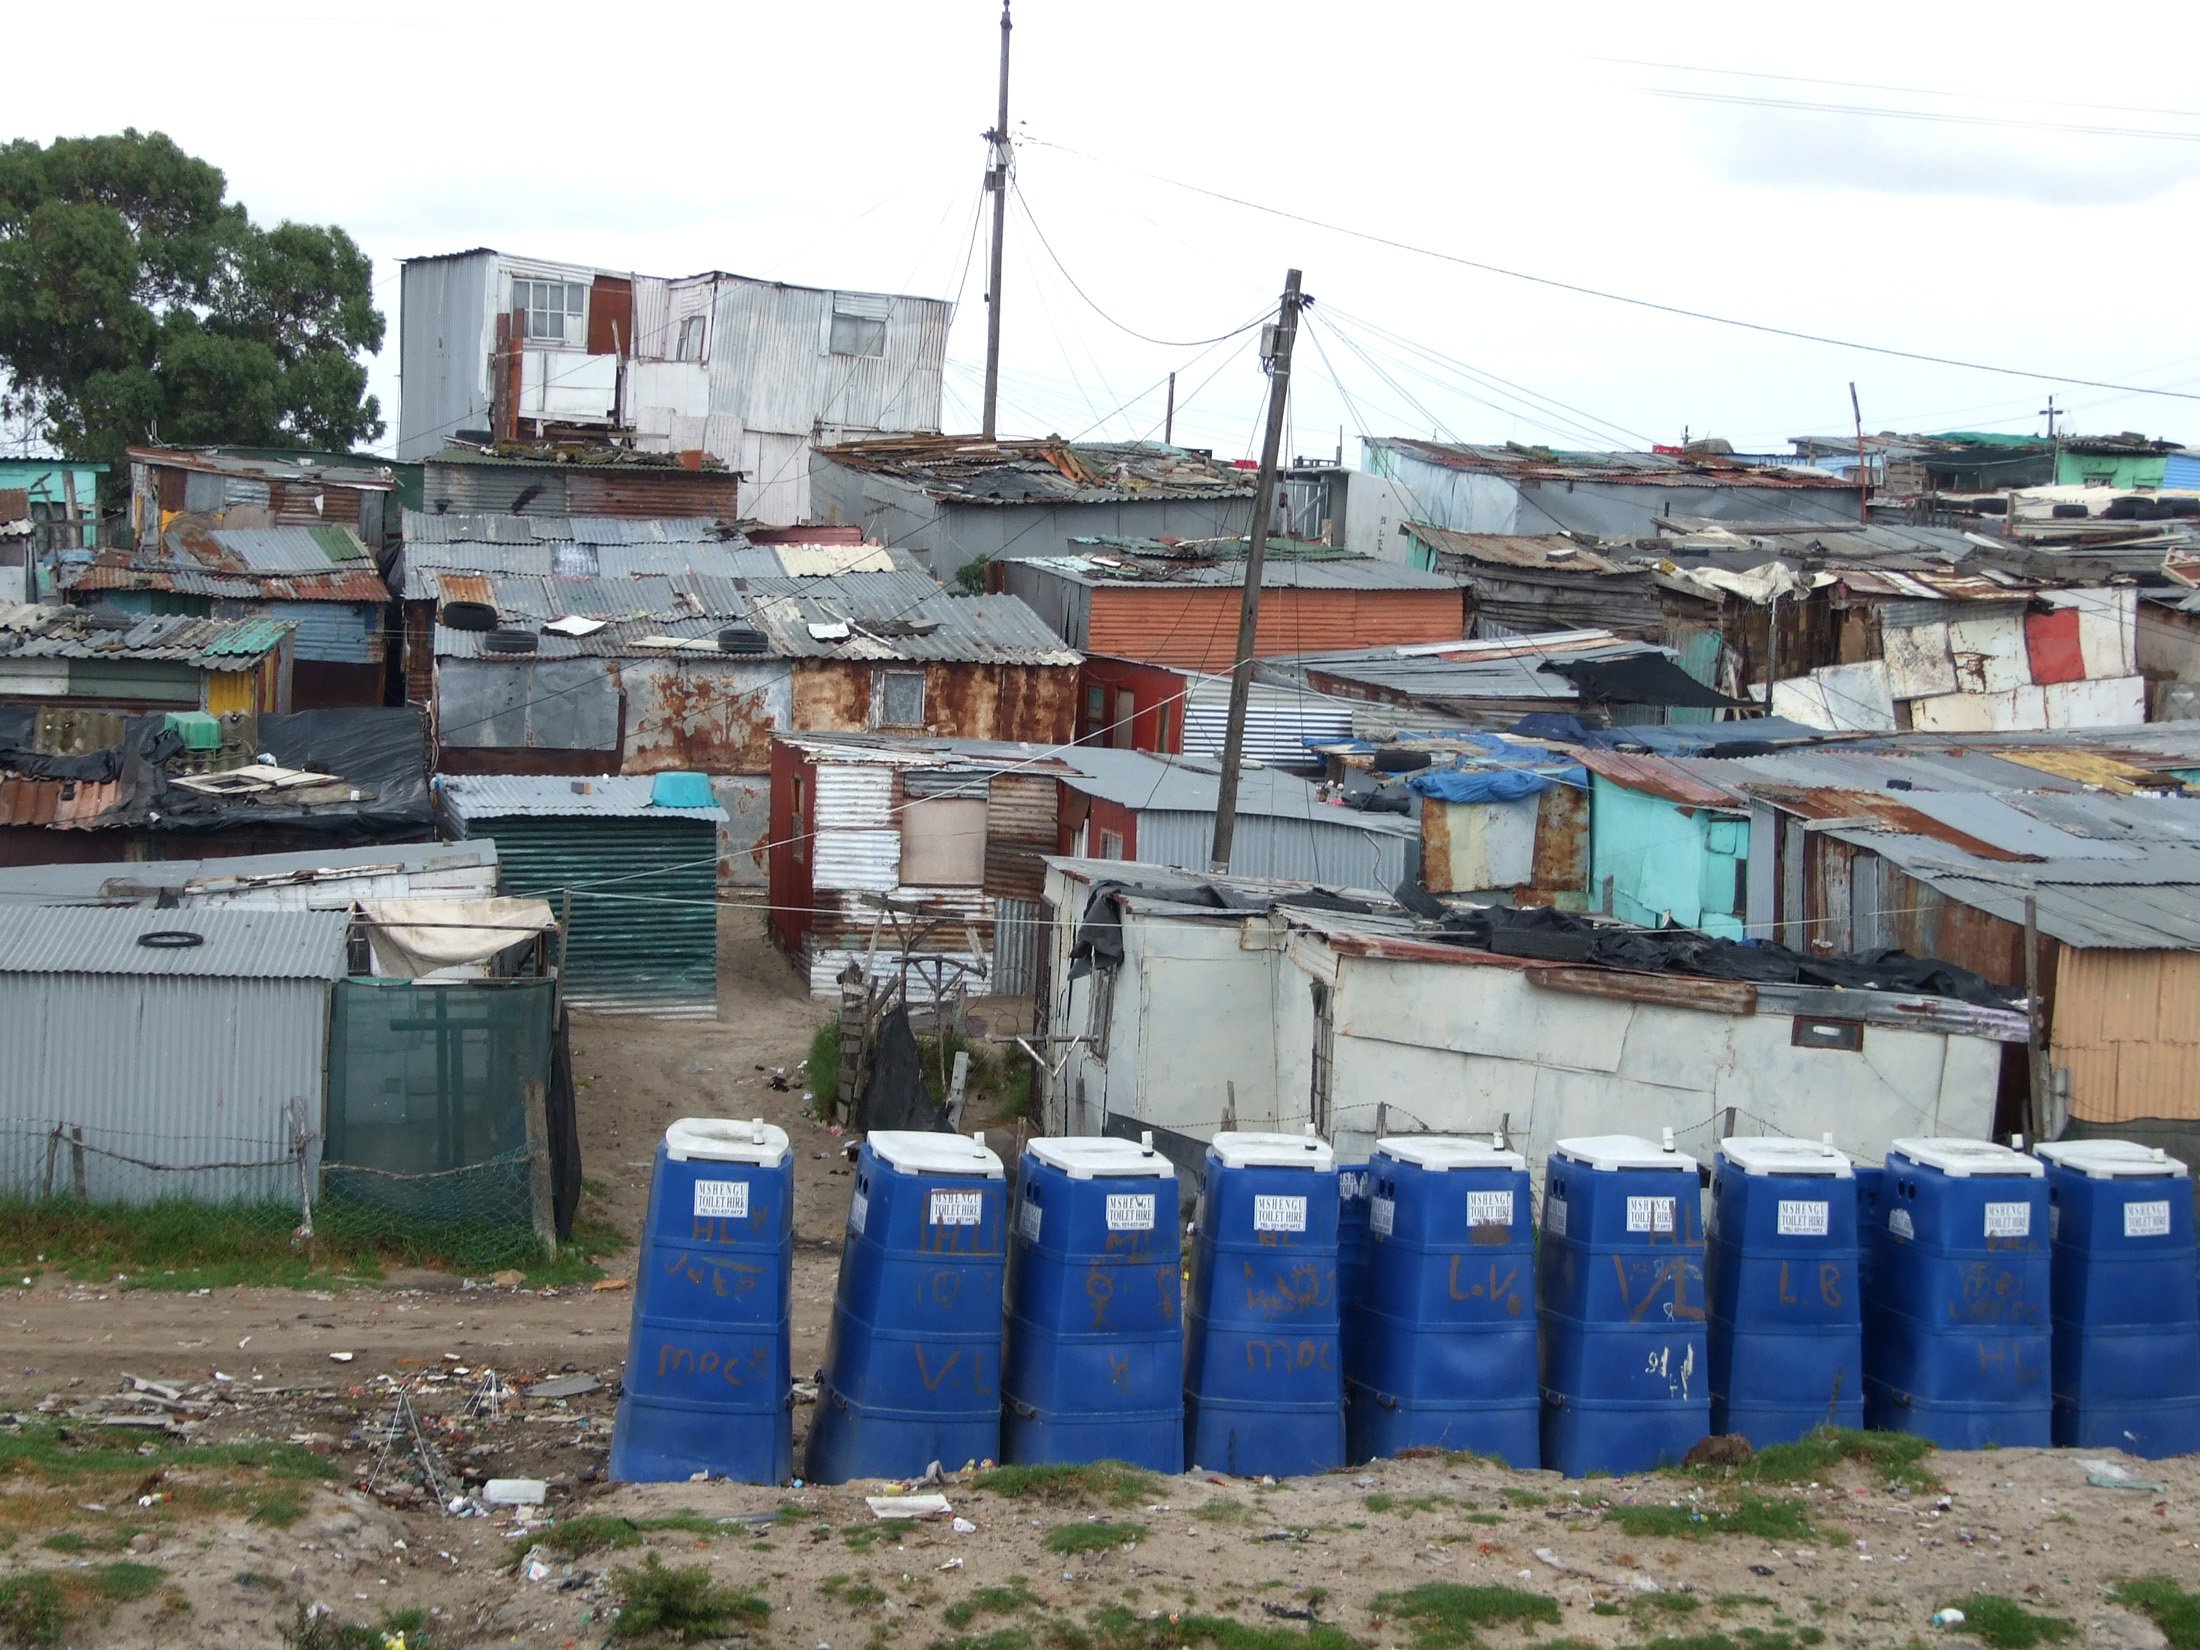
2106 1475
564 1386
1544 1555
1760 1569
1950 1617
510 1278
953 1563
340 1357
908 1506
963 1526
602 1284
514 1492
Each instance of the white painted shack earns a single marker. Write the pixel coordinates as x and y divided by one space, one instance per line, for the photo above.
1221 1002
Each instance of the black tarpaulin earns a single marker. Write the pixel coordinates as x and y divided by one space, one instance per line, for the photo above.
1638 679
897 1096
1099 938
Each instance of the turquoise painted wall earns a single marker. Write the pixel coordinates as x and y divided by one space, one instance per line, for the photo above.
42 479
1666 861
2110 469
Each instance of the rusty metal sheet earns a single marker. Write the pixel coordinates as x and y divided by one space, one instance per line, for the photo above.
705 716
1665 990
62 804
2089 768
1562 840
1827 802
1657 776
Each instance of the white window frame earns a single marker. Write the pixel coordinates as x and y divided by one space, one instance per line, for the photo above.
857 333
571 315
694 329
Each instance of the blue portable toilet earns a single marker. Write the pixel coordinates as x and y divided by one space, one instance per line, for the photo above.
1786 1327
708 1384
2126 1329
1956 1329
1619 1282
1352 1240
1094 1368
912 1371
1440 1344
1263 1383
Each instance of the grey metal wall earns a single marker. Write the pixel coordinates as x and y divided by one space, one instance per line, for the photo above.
167 1070
334 632
1019 926
747 799
1339 855
446 328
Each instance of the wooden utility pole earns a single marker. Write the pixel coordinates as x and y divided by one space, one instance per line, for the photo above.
1276 350
1863 463
996 179
1168 419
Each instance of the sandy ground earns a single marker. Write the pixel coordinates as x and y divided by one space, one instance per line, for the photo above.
253 1364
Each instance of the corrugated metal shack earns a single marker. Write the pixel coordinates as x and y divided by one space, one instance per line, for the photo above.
196 487
912 858
1264 1009
955 500
575 481
751 372
321 581
329 879
1177 605
1592 675
1120 804
1516 489
98 658
157 1040
651 682
1540 581
642 876
1936 848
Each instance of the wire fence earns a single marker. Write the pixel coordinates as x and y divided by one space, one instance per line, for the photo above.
91 1200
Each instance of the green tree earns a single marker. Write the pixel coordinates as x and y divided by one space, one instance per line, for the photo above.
137 303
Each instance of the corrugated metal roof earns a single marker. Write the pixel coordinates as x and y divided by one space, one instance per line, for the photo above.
76 883
356 587
971 470
485 527
322 563
1616 468
89 633
1510 668
64 804
1144 783
475 797
368 476
233 944
1546 552
1660 776
1278 572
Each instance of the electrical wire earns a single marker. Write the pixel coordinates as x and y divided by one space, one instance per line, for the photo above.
1145 338
1581 290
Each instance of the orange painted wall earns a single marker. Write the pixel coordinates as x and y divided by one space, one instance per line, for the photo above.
1197 629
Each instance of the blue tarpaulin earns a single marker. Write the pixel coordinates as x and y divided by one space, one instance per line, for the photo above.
681 790
1489 784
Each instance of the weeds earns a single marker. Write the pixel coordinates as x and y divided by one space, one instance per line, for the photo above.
1095 1536
1102 1483
601 1532
2175 1611
1896 1456
317 1629
855 1594
2007 1625
681 1603
32 1610
1445 1613
1761 1516
862 1538
1222 1510
1011 1600
823 1076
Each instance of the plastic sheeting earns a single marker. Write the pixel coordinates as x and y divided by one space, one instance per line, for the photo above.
1490 784
427 938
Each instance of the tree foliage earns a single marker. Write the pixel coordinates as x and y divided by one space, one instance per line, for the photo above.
137 302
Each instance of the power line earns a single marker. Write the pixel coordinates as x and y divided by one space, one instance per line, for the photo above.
1165 343
1928 116
1904 91
1615 297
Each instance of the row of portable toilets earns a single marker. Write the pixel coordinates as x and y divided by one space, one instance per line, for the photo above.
1967 1292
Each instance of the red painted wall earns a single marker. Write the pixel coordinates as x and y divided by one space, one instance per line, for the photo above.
1071 813
792 893
1157 716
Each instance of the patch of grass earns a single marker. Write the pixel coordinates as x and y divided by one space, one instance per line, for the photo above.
1667 1604
1112 1627
1524 1498
1013 1599
999 1082
2175 1611
178 1244
589 1533
124 1580
1101 1483
1764 1517
1379 1502
854 1593
1094 1536
862 1538
680 1603
1222 1510
2008 1625
1896 1456
32 1609
1446 1613
308 1631
1725 1602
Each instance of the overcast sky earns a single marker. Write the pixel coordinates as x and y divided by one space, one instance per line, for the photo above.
1952 180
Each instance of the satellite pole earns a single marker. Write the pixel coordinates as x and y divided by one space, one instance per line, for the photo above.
1276 342
996 179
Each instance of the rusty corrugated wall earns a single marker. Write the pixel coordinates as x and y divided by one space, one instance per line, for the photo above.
1197 629
1019 833
1034 703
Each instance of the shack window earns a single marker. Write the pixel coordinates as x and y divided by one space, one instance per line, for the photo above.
863 336
1111 845
556 310
798 834
901 699
943 842
1325 1049
691 338
1096 708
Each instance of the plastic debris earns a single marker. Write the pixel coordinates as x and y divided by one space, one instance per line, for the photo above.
340 1357
2106 1475
908 1506
514 1492
963 1526
565 1386
1950 1617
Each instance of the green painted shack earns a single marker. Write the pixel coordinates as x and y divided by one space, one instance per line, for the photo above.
640 869
2126 462
1665 848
